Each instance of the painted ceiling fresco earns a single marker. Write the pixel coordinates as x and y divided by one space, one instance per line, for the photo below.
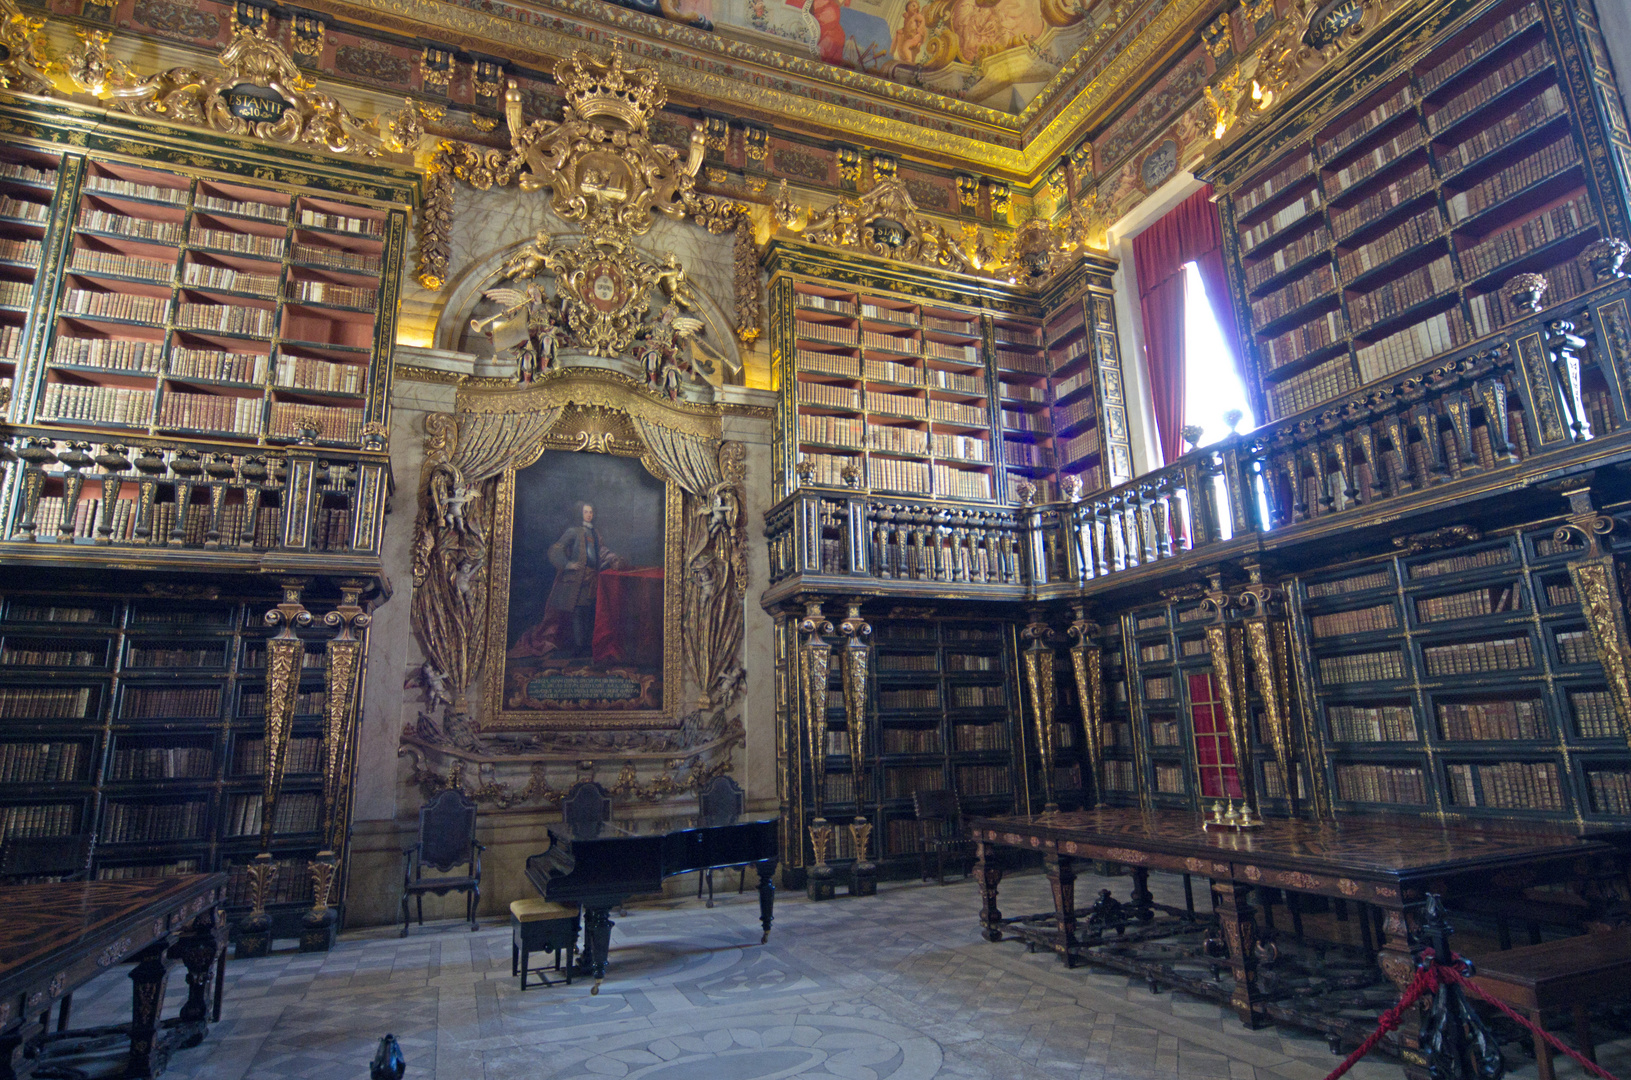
996 53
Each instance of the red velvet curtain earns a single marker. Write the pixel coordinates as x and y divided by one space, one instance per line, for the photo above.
1190 232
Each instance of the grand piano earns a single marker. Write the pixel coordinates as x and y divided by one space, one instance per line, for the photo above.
601 871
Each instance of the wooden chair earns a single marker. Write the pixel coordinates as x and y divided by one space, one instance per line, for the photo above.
720 802
939 830
447 837
27 859
586 809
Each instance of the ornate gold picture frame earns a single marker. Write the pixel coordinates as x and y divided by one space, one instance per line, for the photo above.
650 695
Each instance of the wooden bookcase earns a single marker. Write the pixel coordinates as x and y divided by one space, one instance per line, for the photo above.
929 384
1374 229
140 720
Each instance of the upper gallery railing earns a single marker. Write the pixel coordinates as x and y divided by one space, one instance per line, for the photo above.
1504 405
63 496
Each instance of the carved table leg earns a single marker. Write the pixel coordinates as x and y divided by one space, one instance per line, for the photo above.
14 1065
1238 920
1398 963
198 948
148 981
1062 879
1142 900
597 942
988 875
767 897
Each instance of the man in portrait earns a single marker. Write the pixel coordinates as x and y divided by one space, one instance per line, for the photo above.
568 625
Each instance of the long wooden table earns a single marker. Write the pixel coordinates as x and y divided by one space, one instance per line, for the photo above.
1391 863
55 938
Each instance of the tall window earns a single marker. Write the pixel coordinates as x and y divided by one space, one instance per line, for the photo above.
1212 384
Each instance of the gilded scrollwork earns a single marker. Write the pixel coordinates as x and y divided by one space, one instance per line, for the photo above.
1087 661
284 653
1037 658
24 65
856 663
885 222
258 93
815 655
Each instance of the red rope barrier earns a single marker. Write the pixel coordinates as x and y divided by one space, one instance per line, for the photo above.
1429 977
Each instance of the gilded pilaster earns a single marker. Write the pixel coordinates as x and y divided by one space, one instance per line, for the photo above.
1596 582
815 656
1037 658
1087 664
1265 641
1224 644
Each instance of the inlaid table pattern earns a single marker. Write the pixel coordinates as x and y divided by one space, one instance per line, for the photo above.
57 937
1389 862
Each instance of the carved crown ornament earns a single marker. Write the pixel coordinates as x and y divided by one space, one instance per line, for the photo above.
598 162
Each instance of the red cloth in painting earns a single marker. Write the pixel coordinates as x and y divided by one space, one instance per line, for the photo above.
629 618
1190 232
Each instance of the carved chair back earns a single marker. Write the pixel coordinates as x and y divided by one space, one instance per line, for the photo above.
586 809
28 858
935 807
447 831
720 802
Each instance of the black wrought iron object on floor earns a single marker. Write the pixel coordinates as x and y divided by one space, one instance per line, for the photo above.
602 871
1455 1040
388 1063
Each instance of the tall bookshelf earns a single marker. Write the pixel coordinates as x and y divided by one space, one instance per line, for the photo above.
1463 683
922 383
1377 228
141 721
28 185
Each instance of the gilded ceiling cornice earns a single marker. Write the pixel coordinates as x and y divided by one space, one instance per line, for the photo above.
688 78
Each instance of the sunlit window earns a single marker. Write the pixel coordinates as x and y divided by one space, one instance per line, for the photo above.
1211 387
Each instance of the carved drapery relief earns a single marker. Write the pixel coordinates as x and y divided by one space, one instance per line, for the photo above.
495 430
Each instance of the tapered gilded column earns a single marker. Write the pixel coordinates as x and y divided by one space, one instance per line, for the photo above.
1225 644
1037 658
815 657
1087 664
1596 584
855 665
1265 639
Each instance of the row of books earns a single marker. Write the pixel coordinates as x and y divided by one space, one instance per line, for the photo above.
1488 600
41 762
1506 785
309 373
920 697
211 412
1378 666
48 819
838 743
908 661
1575 647
1281 220
975 697
901 781
1077 447
1528 117
335 258
1163 733
894 474
110 353
826 303
898 404
146 871
1274 782
1511 244
1595 716
1306 389
1371 579
1319 282
1372 723
1296 343
218 365
1549 160
1412 234
28 174
842 431
47 702
1366 620
1401 294
960 483
890 371
251 208
950 325
1077 411
1520 67
226 279
318 219
898 740
107 221
1155 652
146 822
23 210
828 468
1477 657
1485 43
1412 345
892 438
335 423
295 812
1019 420
984 780
25 652
1368 164
87 521
1396 784
95 261
942 350
1120 775
210 655
21 251
1170 779
16 294
1490 311
1160 687
884 313
1287 176
332 529
327 292
163 763
1059 359
833 333
252 703
170 702
899 343
972 662
226 318
114 305
976 738
1480 721
97 404
1027 454
828 363
829 395
1610 791
1299 251
113 185
1397 104
239 243
973 448
1013 360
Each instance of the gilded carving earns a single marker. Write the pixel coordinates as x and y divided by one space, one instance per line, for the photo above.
284 652
1262 602
23 61
815 656
1039 683
885 222
856 658
259 93
1086 660
1595 577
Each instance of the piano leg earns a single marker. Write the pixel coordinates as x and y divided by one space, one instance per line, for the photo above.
767 896
597 942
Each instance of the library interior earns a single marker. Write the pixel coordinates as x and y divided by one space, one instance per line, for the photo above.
1130 581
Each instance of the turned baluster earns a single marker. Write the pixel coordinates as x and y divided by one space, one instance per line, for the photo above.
112 460
76 456
1163 520
220 469
185 464
36 453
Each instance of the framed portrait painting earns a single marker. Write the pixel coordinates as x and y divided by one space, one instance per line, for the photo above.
586 595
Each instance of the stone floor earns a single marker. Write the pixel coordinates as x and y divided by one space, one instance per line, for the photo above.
897 987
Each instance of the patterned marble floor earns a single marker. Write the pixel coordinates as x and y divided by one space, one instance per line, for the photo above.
899 987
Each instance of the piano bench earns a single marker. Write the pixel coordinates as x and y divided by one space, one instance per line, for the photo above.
540 926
